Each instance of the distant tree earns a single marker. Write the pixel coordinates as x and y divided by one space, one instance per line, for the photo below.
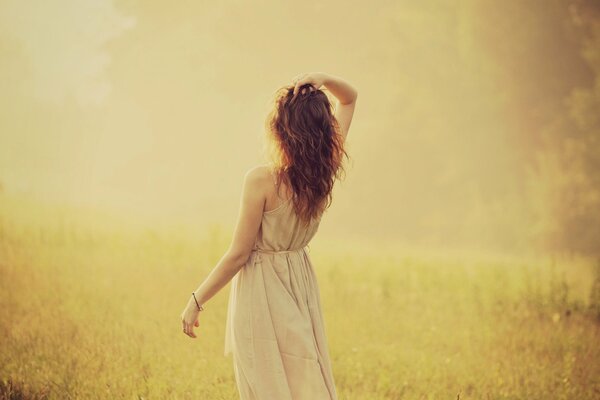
580 148
567 164
548 55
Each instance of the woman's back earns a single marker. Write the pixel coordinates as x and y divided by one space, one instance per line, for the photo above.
281 228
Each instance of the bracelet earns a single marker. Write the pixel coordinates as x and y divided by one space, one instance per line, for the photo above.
200 308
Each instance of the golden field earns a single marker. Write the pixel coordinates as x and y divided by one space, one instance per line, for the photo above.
90 309
126 128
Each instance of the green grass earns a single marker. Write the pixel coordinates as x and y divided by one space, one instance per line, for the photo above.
88 313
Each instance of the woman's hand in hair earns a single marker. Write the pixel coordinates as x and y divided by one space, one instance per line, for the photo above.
315 79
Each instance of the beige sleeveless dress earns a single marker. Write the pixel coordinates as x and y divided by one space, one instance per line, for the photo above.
274 327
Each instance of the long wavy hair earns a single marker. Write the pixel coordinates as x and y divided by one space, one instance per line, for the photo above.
306 148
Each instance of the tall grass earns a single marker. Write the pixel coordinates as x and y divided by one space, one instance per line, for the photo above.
90 311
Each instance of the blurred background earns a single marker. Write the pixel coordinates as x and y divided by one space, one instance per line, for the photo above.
477 126
465 237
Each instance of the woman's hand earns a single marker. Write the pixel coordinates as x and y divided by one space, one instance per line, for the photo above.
189 318
315 79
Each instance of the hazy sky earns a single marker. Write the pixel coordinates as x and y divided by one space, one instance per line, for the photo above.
158 109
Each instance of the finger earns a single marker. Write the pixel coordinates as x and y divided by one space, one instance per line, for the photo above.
295 92
189 330
298 84
298 77
299 89
197 323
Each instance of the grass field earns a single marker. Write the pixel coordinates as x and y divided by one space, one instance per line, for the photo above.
89 313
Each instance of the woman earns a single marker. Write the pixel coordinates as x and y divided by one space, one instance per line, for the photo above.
275 328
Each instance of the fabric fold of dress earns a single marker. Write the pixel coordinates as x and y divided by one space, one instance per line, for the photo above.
275 328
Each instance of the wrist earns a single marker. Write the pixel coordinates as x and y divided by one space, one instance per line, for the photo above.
196 302
324 77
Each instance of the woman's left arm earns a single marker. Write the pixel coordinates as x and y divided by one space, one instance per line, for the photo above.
249 220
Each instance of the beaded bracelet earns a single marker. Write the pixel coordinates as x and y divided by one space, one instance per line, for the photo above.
200 308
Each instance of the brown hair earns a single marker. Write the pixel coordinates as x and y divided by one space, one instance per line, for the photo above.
306 148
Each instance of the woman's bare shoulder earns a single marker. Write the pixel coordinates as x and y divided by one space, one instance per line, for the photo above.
260 174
